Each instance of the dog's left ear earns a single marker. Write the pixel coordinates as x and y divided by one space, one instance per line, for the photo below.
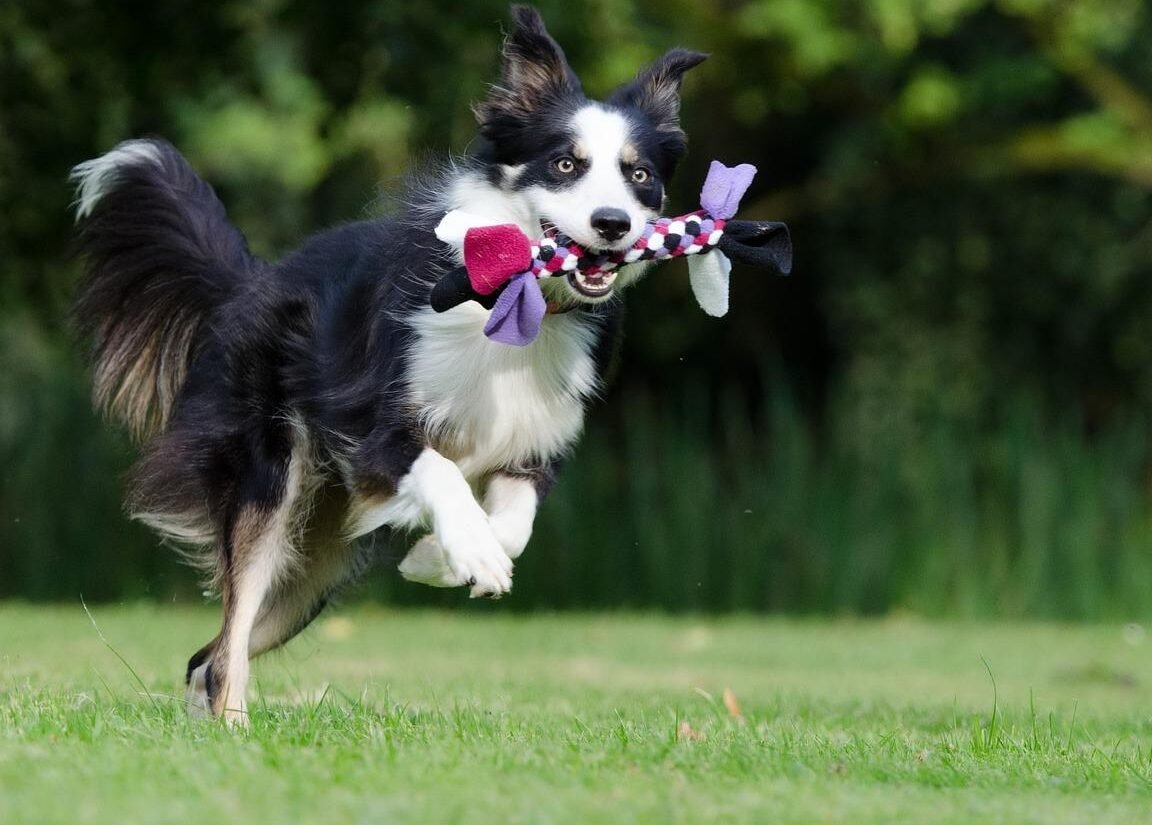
535 74
656 89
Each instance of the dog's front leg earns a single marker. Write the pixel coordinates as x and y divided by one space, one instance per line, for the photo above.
511 502
463 549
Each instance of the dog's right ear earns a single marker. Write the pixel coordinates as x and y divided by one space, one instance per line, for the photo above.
534 76
656 89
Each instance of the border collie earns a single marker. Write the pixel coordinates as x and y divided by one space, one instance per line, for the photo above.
287 408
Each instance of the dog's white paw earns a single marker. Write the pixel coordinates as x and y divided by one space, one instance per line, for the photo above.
482 564
427 563
472 559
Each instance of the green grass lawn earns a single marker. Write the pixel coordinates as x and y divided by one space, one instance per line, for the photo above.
422 717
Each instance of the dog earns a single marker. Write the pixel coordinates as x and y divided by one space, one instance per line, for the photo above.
287 408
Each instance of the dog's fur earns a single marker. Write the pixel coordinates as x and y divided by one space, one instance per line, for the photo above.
287 408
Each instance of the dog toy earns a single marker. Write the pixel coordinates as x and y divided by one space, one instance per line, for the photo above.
502 266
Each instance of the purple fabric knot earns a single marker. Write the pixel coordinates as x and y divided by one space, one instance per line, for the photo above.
516 317
724 187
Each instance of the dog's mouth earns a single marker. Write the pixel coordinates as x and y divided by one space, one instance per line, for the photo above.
599 285
592 287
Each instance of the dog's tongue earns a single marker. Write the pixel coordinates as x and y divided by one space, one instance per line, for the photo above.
518 312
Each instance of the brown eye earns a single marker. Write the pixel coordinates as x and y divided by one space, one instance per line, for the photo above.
565 165
641 175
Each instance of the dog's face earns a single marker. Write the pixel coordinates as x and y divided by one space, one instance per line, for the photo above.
592 171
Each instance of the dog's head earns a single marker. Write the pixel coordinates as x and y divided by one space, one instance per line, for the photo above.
594 171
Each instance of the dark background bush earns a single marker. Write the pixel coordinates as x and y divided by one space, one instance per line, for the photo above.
945 408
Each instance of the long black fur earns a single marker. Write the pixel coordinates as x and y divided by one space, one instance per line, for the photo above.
161 258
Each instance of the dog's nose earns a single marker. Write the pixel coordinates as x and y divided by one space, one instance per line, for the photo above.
611 224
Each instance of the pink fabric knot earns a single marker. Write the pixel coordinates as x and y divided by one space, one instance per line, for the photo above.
494 254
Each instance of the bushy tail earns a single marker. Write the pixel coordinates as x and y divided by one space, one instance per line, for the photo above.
160 257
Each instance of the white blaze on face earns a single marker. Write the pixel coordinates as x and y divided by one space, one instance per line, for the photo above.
604 143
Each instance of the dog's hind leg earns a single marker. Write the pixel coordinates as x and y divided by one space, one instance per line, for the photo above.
328 560
196 681
293 605
324 563
261 555
287 608
257 554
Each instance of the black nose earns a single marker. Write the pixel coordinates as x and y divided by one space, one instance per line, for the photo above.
611 224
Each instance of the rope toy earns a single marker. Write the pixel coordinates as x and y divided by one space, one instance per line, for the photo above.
502 266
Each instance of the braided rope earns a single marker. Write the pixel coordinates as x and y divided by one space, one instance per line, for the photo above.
690 234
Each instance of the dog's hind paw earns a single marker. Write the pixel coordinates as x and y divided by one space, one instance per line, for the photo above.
196 701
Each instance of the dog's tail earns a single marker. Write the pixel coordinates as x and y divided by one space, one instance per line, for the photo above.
161 256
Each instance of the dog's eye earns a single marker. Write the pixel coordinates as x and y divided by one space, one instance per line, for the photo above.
640 175
565 165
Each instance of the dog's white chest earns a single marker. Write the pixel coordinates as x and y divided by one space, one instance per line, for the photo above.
488 405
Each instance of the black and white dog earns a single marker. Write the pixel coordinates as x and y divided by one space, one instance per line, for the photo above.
289 407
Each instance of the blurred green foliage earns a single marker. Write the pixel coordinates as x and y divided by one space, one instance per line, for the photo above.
946 408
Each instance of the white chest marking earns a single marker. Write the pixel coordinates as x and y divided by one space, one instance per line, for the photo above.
489 405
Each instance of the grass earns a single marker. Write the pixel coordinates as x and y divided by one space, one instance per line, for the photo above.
386 716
